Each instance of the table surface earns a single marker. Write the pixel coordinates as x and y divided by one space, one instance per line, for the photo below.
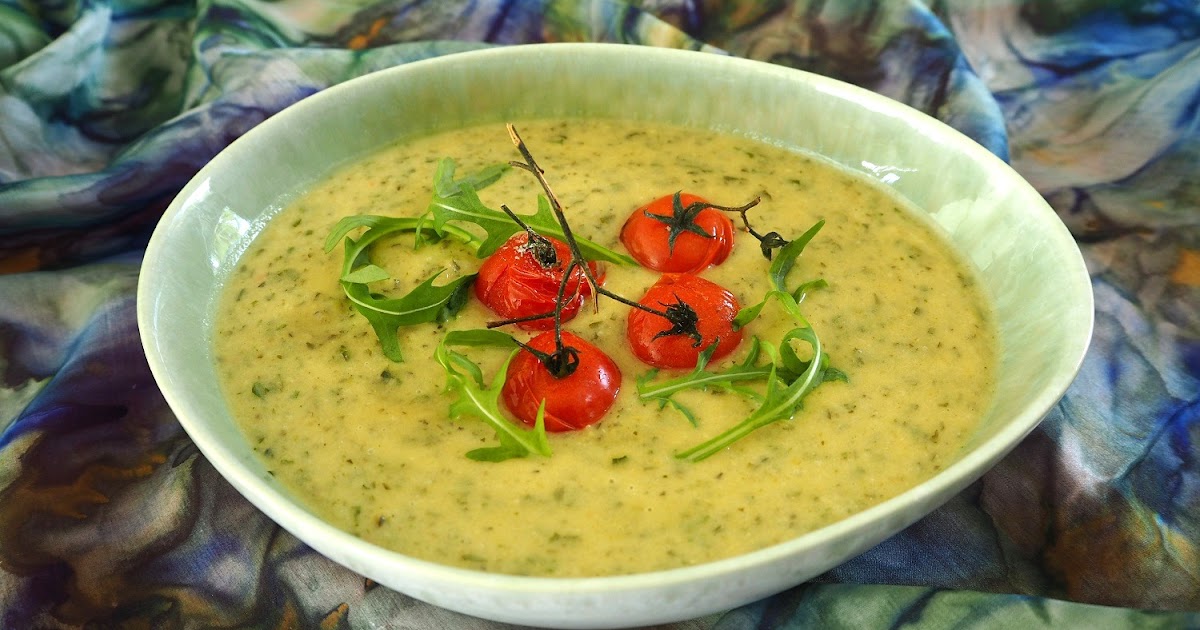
109 515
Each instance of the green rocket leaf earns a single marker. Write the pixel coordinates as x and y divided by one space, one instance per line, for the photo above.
458 202
464 380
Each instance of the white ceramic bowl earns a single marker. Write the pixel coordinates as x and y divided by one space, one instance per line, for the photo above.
1027 259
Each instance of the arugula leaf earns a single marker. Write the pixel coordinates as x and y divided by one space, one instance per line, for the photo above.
782 265
789 377
366 274
699 378
804 288
381 226
444 183
480 338
781 402
684 411
424 303
778 272
458 201
473 398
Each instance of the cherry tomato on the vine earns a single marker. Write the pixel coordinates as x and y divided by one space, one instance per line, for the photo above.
518 280
715 308
572 402
675 235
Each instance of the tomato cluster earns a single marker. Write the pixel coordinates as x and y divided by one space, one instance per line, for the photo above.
677 319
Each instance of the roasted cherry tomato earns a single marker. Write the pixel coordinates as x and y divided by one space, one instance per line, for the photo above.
572 402
677 234
715 309
520 280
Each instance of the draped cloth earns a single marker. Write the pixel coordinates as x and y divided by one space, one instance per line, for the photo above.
109 516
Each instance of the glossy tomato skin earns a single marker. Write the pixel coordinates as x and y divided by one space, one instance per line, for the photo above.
648 240
572 402
715 307
513 283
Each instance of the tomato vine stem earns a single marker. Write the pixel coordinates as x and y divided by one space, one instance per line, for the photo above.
767 242
531 165
680 315
683 218
541 248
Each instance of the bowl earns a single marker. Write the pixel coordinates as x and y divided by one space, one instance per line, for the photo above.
1026 259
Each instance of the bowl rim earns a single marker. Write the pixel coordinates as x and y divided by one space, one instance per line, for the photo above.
290 515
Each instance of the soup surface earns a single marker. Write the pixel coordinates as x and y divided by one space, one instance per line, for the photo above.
368 444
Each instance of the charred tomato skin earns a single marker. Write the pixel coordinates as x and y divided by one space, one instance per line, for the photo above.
715 308
648 239
514 283
572 402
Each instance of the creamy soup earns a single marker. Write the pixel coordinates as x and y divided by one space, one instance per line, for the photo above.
368 444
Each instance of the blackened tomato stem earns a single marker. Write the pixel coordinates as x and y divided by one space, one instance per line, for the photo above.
742 210
558 301
531 165
681 316
767 242
677 314
561 363
497 323
631 303
539 246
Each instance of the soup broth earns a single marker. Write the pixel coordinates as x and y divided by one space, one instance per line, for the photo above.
368 443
